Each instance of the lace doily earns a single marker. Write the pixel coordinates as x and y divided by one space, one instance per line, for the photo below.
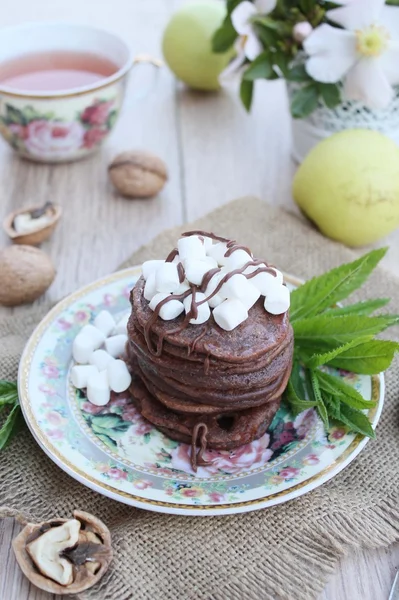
349 114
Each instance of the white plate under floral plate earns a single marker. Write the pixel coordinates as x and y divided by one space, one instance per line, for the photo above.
114 451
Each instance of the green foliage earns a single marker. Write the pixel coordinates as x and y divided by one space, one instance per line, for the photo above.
330 93
317 359
304 100
328 331
298 73
367 307
224 37
260 68
246 93
368 358
322 292
9 398
340 337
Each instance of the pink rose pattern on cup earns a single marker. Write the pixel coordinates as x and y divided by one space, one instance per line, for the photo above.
45 136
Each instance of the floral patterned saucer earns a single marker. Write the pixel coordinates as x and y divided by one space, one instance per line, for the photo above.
114 451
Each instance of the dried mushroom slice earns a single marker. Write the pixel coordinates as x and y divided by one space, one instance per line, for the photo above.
64 556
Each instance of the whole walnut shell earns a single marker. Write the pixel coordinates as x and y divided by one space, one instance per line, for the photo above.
25 274
138 174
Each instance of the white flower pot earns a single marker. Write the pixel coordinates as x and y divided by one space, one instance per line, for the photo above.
324 121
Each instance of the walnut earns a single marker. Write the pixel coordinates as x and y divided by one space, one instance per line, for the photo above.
64 556
25 274
32 225
138 174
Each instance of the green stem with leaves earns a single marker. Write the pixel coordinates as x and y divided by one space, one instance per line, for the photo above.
327 335
9 402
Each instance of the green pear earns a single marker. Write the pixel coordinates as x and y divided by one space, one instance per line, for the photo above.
187 44
348 185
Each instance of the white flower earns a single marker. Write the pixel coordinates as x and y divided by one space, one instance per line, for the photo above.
365 54
247 45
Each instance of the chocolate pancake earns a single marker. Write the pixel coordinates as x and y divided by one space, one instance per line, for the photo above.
225 431
202 383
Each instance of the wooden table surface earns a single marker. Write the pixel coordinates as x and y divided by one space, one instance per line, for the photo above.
215 152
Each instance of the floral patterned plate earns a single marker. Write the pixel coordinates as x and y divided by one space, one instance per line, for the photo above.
114 451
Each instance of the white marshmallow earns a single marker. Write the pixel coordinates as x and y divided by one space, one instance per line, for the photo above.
121 325
119 377
207 242
250 296
196 269
211 262
157 299
167 278
239 287
210 288
150 287
204 311
82 348
170 310
217 251
234 287
253 268
216 300
80 375
105 322
230 314
115 345
279 276
277 300
191 247
100 359
150 266
265 282
94 334
237 259
98 391
183 287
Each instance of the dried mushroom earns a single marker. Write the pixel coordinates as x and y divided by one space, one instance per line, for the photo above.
64 556
32 225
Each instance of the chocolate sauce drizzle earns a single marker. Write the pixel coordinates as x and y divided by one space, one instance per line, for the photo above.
193 312
181 272
199 337
197 459
172 255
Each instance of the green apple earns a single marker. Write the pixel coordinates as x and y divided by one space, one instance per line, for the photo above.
348 185
187 44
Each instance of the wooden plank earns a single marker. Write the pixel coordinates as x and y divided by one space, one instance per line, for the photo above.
364 575
228 153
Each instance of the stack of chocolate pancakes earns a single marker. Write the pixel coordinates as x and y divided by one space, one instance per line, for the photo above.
204 383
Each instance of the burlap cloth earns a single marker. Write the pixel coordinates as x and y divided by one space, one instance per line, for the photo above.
286 551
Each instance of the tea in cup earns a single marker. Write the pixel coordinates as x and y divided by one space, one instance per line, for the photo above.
58 103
